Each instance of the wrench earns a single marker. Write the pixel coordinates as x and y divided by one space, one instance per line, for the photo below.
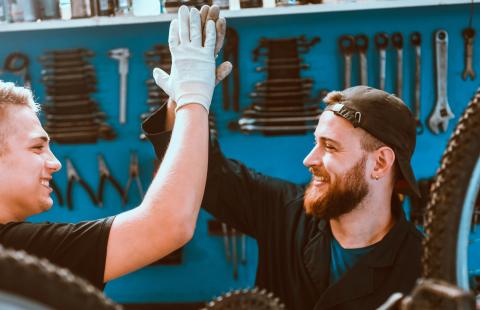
228 256
468 36
415 40
122 55
234 254
397 41
441 113
381 42
346 43
361 45
243 257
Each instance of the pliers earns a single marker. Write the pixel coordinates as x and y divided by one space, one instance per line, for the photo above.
104 177
133 174
57 192
72 178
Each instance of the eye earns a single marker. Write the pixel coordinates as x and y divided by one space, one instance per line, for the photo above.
38 147
329 147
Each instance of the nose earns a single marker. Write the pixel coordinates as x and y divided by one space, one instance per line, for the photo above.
313 158
53 163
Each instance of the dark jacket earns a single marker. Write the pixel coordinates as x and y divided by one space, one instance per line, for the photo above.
294 248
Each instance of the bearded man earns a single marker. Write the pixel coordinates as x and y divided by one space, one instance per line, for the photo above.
343 242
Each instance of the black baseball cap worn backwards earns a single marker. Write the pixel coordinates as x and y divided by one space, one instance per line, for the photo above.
384 116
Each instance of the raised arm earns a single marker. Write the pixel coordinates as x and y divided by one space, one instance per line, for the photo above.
165 220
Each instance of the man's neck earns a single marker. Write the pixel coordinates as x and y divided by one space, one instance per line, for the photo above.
367 224
6 216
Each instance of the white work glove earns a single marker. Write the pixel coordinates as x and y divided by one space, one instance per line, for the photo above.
192 77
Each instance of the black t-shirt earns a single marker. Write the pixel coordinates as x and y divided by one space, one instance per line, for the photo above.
80 247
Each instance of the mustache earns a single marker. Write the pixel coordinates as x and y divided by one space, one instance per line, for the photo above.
318 172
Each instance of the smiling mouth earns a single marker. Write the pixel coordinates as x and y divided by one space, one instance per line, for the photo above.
46 183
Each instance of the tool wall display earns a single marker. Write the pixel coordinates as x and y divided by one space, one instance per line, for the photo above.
71 115
204 270
282 103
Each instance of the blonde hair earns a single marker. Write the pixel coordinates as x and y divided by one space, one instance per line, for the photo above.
16 95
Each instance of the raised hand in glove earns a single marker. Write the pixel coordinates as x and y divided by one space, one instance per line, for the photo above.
192 77
207 15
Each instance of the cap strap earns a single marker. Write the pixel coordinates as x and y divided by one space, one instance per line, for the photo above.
351 115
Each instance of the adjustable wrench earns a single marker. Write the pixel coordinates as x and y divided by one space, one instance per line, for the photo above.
415 40
381 42
441 113
397 42
346 43
468 36
361 45
122 55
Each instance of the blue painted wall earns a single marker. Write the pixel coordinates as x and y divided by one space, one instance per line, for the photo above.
205 272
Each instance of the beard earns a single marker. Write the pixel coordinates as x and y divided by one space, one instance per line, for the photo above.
342 197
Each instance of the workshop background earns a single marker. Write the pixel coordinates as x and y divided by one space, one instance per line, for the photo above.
202 271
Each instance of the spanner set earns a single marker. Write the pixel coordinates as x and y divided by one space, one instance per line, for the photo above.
281 104
71 115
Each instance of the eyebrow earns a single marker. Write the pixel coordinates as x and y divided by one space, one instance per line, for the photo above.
324 139
42 138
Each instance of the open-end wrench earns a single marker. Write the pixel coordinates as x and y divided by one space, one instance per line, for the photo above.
361 46
234 253
346 43
415 40
442 113
243 257
397 42
122 55
228 255
381 42
468 36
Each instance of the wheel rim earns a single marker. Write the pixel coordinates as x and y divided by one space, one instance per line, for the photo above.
463 280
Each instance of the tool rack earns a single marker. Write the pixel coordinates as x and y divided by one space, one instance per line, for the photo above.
204 272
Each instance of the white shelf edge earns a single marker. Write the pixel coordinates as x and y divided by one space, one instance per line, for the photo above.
243 13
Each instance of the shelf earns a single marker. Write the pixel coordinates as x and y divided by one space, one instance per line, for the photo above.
243 13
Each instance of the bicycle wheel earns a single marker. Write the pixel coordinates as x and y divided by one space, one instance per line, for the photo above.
453 197
27 282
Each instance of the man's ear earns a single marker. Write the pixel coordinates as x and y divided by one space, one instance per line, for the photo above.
384 162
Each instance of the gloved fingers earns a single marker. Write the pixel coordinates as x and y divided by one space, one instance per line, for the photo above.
173 39
221 27
213 13
161 79
184 24
223 71
210 35
195 28
203 14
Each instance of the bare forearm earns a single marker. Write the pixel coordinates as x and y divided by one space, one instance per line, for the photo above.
180 180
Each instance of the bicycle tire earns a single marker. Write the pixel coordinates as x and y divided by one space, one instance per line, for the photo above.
40 281
448 202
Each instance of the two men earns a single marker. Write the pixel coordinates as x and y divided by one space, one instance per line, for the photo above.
343 242
165 220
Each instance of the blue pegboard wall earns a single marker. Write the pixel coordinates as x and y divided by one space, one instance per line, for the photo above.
204 272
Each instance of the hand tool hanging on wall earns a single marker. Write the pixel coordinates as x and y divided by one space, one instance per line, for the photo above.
468 36
381 43
57 192
230 53
397 42
133 173
282 103
415 41
122 55
361 46
73 177
346 44
442 113
71 115
18 64
105 176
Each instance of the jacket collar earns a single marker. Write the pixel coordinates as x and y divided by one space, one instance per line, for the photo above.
359 280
